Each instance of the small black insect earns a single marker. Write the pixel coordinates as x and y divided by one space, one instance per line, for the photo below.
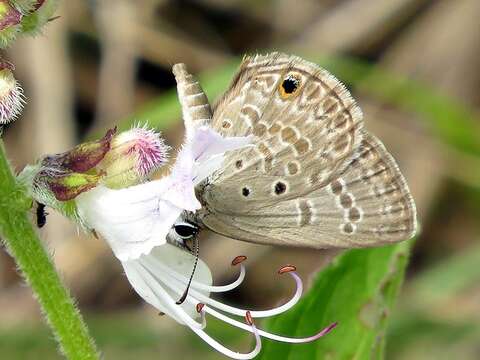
41 215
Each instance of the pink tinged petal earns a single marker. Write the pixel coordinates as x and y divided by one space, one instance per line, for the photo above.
207 142
132 220
142 147
208 148
179 186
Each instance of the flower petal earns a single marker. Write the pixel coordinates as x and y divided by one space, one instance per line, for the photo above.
180 261
132 220
207 142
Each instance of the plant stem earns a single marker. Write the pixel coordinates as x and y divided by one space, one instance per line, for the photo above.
20 238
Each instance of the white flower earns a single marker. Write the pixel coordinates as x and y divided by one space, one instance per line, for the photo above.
135 222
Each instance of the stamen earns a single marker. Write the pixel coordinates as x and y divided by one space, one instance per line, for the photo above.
197 328
227 352
265 334
195 284
248 318
286 269
255 314
239 259
199 307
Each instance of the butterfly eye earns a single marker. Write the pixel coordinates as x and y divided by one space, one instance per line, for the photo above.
289 86
186 230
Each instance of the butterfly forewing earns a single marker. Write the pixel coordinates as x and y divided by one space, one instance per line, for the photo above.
306 127
314 177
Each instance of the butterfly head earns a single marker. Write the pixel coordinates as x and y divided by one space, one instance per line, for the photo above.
183 232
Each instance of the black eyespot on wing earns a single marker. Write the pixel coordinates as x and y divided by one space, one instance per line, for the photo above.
245 191
290 85
280 188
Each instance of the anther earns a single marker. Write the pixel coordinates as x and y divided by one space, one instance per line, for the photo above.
248 318
287 269
199 307
330 328
239 259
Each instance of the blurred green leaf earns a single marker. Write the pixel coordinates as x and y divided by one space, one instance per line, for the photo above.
447 278
358 291
425 314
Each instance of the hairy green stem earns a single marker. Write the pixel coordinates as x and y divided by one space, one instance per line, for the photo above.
21 240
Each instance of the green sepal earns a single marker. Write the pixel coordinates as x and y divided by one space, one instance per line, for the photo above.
42 13
68 186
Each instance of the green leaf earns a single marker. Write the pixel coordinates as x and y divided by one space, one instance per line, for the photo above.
358 290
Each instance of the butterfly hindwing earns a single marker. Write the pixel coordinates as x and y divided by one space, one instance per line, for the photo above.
367 204
314 177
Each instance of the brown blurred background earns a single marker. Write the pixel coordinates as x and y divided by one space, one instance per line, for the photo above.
102 62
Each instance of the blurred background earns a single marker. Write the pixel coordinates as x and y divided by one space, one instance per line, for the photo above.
109 62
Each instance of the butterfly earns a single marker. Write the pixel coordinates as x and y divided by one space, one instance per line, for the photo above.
314 177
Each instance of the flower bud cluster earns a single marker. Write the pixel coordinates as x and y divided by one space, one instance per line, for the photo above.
115 161
11 94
